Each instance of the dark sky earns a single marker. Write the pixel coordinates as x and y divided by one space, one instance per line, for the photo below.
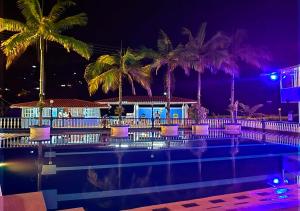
273 24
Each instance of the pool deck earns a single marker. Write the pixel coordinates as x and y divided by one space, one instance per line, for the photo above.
33 201
283 198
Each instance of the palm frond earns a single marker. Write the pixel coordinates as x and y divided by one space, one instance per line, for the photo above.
16 45
201 34
59 8
70 43
218 41
255 108
31 10
11 25
131 58
253 56
148 53
230 66
143 77
164 43
109 80
240 51
158 63
102 64
250 111
71 21
130 79
187 32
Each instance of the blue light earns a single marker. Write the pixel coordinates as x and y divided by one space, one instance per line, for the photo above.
276 181
274 76
281 191
283 197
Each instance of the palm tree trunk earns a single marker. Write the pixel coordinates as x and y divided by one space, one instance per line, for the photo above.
42 81
120 98
232 99
199 96
168 97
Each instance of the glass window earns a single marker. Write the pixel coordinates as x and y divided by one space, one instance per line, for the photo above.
290 78
29 112
91 112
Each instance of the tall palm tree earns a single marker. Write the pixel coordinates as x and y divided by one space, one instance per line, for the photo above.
170 57
39 29
201 55
238 50
108 71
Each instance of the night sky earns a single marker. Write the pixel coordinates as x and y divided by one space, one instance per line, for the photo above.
273 24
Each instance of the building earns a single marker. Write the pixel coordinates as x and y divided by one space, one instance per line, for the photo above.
290 85
152 106
62 108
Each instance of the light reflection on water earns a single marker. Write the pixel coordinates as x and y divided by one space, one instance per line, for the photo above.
152 139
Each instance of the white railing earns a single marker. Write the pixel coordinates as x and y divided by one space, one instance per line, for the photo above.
283 126
25 123
251 123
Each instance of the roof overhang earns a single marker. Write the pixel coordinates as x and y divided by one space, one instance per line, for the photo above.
62 103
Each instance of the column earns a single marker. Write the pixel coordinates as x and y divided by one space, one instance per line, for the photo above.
135 110
183 115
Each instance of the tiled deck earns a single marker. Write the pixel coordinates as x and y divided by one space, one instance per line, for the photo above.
283 198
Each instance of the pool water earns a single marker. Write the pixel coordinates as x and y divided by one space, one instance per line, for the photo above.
117 174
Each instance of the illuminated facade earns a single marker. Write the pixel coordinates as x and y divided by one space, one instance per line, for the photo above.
152 106
290 85
61 108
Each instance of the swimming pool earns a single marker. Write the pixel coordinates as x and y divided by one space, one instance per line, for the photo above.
99 173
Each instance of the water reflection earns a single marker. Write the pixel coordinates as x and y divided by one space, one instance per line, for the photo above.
234 150
197 149
101 181
147 139
106 181
119 155
39 164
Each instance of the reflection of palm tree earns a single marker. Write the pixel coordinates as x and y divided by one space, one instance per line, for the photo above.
140 182
234 150
105 183
198 152
39 166
108 182
119 156
168 175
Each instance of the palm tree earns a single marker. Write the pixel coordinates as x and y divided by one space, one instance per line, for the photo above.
108 71
171 58
239 51
250 111
201 55
39 29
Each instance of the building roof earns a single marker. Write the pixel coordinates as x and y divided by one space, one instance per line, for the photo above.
62 103
147 100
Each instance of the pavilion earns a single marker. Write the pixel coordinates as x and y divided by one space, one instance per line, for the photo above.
149 106
61 108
